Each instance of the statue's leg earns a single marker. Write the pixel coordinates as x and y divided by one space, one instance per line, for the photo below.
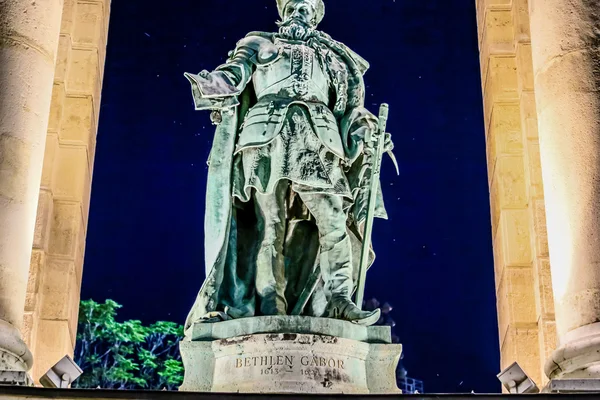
270 265
336 258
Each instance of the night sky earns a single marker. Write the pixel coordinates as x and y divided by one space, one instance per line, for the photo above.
434 258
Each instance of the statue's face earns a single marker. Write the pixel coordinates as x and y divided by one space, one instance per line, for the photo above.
300 11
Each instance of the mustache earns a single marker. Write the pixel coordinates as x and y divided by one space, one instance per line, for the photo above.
292 21
295 29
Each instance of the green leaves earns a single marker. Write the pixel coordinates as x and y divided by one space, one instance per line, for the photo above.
126 355
172 373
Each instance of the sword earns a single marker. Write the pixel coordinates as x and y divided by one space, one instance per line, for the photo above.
377 155
373 185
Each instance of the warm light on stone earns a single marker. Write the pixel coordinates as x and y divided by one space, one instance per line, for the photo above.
516 194
558 187
64 192
28 43
565 62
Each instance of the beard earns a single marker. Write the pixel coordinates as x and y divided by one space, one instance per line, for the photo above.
294 29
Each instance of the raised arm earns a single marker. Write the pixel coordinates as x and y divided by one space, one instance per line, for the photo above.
219 89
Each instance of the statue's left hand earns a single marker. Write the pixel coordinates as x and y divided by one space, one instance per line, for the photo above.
371 140
388 145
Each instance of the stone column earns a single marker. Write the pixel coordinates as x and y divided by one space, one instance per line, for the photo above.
28 42
565 38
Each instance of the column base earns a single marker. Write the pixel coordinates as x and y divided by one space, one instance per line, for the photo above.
578 357
14 354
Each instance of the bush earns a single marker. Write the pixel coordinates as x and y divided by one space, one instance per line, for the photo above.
126 355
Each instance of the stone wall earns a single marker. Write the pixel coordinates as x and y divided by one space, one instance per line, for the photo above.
523 281
53 291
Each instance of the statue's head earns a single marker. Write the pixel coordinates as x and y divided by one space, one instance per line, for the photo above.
299 17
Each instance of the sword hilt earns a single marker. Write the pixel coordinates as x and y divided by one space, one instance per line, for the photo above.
383 115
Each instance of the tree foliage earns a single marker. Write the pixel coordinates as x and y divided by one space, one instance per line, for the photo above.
126 355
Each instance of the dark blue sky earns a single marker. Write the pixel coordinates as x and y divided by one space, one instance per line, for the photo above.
145 238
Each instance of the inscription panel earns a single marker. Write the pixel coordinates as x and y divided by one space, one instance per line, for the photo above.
292 363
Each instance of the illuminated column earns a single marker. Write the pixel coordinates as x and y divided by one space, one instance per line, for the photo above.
524 298
52 301
566 60
28 42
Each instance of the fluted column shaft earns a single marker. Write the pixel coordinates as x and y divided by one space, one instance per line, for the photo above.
29 32
565 39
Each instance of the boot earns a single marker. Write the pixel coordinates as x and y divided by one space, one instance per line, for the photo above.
344 308
214 316
336 267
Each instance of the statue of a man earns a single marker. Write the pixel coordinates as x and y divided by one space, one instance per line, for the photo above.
285 191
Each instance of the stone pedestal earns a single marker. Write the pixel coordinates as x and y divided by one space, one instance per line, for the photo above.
288 361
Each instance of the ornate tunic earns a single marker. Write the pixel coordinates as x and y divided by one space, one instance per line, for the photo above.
290 133
296 154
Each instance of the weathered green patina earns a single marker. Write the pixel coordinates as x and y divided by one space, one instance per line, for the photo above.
287 193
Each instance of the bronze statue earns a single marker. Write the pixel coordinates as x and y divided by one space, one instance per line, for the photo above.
287 197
